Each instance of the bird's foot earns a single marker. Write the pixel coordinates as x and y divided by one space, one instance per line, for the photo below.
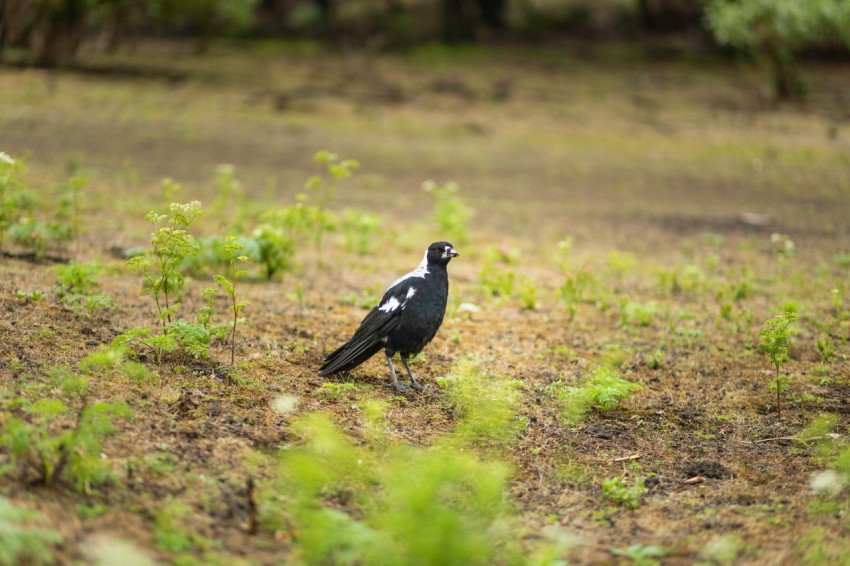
401 388
416 385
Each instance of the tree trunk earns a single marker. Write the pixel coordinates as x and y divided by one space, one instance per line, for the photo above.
58 32
786 80
493 13
670 15
456 21
16 21
326 16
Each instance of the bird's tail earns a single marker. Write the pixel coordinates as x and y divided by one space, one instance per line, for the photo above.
348 356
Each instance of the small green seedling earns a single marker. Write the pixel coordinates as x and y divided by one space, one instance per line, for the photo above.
451 214
616 489
656 359
641 555
527 293
640 314
228 285
826 347
15 198
68 204
171 243
275 249
325 190
574 290
337 391
603 391
360 229
774 341
76 279
96 303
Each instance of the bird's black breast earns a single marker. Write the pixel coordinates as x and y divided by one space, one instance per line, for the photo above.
422 315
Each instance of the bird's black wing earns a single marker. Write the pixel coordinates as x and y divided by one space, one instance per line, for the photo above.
369 337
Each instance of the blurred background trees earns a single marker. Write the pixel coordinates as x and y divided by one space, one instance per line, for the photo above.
49 33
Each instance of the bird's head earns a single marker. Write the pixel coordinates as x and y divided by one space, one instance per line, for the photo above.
440 252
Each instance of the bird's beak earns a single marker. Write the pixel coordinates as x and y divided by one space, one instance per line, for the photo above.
450 252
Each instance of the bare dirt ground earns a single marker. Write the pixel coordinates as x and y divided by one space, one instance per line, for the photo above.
669 178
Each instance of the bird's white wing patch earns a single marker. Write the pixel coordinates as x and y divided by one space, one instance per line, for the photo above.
410 293
391 305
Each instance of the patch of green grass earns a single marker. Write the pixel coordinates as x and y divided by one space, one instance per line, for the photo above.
618 490
338 391
20 541
485 406
397 505
638 314
641 555
603 390
451 214
58 439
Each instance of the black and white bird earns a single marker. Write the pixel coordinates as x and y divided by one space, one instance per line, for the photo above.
406 319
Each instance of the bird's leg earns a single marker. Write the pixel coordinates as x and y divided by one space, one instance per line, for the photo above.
398 385
413 381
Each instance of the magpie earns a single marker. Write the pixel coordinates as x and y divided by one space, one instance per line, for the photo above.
404 321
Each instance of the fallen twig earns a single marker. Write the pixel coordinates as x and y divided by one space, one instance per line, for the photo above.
627 458
694 480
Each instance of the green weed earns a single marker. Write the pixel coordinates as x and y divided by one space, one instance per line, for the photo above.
171 244
75 284
170 532
783 246
826 347
31 297
16 200
228 285
688 280
603 390
841 259
526 292
451 214
285 227
96 303
724 549
774 342
574 290
640 314
620 263
497 280
360 229
39 236
325 189
275 250
337 391
346 503
656 359
229 190
20 542
641 555
75 279
22 216
618 490
485 406
68 209
57 439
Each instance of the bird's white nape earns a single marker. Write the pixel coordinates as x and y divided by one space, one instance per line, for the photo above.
420 271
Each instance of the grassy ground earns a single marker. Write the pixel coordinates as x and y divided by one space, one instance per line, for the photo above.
624 208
